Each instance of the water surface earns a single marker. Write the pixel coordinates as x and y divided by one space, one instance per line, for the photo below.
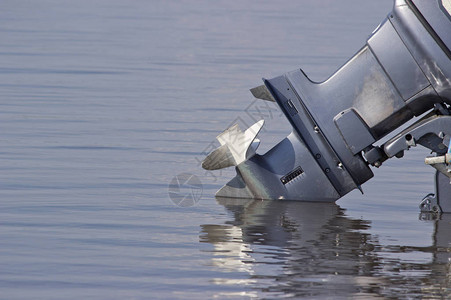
102 103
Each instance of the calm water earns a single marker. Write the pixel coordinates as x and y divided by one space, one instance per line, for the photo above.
102 103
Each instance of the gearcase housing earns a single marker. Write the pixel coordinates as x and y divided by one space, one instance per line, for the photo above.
403 71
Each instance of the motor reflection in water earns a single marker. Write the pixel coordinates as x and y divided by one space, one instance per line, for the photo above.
313 250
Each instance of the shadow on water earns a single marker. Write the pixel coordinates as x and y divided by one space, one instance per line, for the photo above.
313 250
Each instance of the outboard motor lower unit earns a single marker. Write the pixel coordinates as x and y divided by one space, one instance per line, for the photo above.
403 71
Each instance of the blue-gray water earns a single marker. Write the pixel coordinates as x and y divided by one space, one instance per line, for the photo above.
102 103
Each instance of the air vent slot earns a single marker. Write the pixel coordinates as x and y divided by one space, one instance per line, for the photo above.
292 175
291 108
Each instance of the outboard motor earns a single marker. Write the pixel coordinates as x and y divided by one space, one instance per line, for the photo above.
403 71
